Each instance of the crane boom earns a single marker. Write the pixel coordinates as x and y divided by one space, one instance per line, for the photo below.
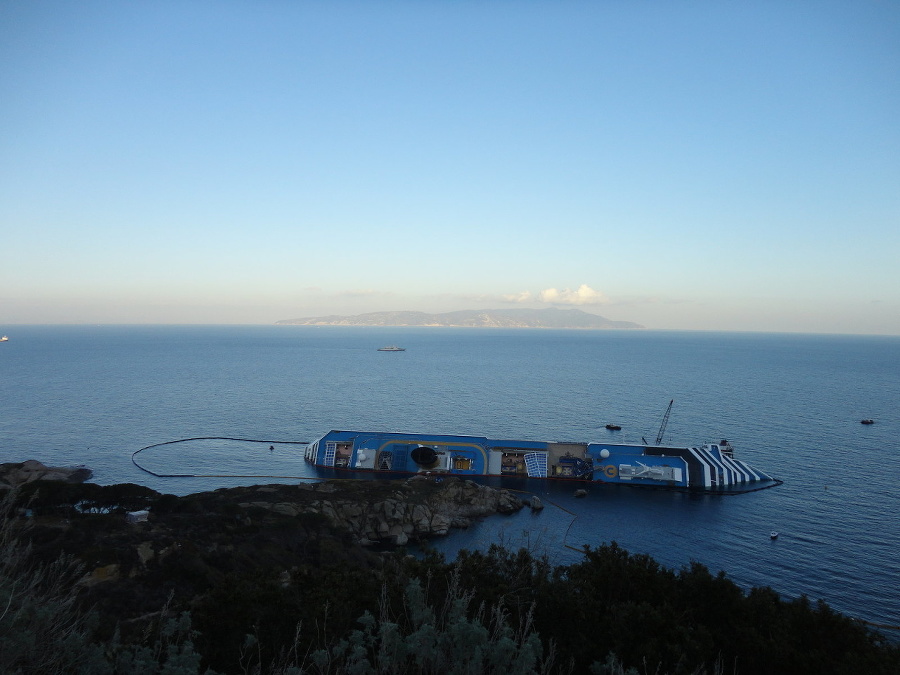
665 421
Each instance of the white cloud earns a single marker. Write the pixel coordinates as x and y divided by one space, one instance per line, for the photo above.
362 293
585 295
524 296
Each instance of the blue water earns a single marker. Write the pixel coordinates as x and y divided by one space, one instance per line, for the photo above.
790 404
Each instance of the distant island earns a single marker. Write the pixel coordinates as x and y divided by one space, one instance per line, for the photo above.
474 318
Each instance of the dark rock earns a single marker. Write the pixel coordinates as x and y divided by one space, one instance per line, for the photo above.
14 474
388 512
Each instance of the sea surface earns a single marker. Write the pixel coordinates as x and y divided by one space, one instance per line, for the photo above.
790 404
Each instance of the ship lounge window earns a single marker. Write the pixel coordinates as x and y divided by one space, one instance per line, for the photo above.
342 454
461 463
513 463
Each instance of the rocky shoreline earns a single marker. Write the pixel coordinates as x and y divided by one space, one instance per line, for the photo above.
133 542
373 512
416 508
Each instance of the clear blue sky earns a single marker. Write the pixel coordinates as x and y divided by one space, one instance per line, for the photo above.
684 165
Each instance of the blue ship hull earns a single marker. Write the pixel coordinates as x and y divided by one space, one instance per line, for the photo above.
706 467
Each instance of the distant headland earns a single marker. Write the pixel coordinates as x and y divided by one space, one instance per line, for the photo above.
474 318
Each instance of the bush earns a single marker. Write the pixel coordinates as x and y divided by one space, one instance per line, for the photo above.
41 629
442 640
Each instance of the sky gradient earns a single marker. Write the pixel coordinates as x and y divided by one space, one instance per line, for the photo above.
684 165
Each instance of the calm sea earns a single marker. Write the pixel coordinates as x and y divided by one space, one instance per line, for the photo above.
790 404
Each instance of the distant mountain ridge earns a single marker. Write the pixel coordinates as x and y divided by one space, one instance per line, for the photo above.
474 318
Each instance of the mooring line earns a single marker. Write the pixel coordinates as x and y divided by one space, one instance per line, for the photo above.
561 508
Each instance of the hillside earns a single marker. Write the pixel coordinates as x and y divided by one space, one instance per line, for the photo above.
272 579
474 318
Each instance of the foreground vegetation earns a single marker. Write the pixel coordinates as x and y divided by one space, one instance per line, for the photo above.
210 586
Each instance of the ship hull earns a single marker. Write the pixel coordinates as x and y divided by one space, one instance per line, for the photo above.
709 467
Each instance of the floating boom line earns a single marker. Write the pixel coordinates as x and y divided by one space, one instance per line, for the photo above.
217 475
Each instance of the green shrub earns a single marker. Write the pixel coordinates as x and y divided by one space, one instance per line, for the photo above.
447 640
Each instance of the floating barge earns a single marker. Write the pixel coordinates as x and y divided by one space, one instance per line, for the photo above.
704 467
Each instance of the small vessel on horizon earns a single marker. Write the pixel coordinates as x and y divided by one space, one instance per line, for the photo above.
3 338
392 348
867 421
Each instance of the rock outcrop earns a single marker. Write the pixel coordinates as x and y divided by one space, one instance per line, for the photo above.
238 542
14 474
417 508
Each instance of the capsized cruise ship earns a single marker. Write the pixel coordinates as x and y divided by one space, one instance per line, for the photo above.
711 466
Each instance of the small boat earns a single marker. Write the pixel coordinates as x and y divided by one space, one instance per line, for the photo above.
392 349
867 421
613 427
773 535
4 339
